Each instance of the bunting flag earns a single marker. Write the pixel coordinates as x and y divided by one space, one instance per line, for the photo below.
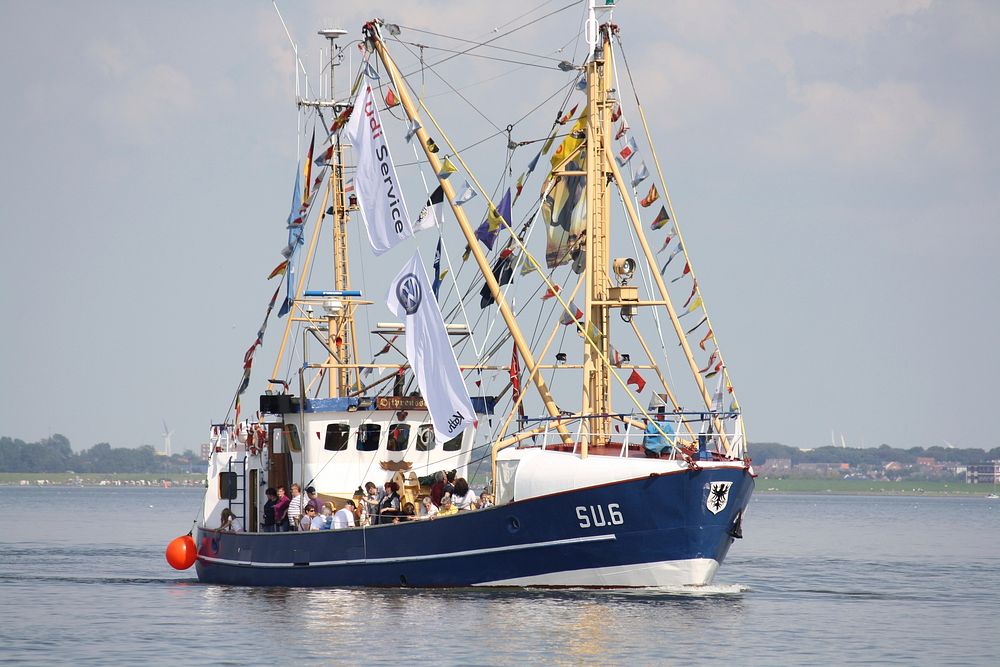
581 83
366 371
640 175
572 142
652 196
568 317
515 380
390 99
307 169
711 360
534 162
662 218
431 146
376 185
370 71
503 272
666 242
436 287
385 350
487 231
520 185
430 214
237 419
258 341
279 270
548 142
467 194
622 130
466 253
693 307
695 327
617 113
637 380
701 344
673 254
694 290
341 119
295 241
717 397
447 169
687 270
412 127
569 114
551 292
325 156
627 153
714 371
616 357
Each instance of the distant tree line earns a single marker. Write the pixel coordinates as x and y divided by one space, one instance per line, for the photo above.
761 452
54 454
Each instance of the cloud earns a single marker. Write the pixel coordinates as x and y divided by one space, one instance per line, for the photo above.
133 100
880 125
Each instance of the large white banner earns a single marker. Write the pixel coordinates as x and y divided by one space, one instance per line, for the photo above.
429 351
375 183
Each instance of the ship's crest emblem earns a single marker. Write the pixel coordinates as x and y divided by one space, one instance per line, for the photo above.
718 496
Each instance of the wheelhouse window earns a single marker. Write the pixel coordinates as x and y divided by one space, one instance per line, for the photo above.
292 438
399 437
227 485
454 444
368 435
337 436
425 438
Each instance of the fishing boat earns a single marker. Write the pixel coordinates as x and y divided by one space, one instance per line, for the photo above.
528 363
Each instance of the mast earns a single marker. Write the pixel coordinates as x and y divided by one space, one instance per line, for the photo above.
596 382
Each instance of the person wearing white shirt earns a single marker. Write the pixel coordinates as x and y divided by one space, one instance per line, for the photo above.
344 518
463 498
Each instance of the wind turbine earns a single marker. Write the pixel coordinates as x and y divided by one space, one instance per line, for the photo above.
166 438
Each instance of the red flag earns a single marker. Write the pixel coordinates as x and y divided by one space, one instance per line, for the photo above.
694 290
340 120
515 380
637 380
390 99
701 344
711 360
325 157
278 270
617 113
388 346
569 114
551 292
653 195
621 131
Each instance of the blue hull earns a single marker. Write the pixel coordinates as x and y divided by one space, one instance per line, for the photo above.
655 519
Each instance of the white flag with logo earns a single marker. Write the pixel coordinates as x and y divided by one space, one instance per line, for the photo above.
375 183
429 351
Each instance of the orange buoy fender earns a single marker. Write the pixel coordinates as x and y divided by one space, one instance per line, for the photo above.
182 553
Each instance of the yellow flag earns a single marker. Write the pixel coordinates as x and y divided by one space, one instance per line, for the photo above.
447 169
572 142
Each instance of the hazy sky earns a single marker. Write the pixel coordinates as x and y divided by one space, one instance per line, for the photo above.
834 166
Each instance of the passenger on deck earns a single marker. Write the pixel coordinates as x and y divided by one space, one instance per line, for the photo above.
370 505
344 518
229 522
389 507
327 513
463 498
295 507
281 511
485 500
306 520
447 509
409 512
437 489
427 508
316 520
449 485
314 499
270 525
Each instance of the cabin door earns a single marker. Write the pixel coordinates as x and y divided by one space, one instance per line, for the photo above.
252 517
278 458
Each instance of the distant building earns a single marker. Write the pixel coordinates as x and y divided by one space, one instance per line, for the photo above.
983 473
206 450
926 461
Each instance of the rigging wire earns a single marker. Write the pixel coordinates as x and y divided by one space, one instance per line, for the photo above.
478 55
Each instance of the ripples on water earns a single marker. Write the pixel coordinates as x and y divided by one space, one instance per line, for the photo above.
826 580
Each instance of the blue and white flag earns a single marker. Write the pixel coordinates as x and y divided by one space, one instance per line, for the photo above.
375 184
296 229
640 175
429 351
466 195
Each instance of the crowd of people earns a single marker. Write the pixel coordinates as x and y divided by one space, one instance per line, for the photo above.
371 507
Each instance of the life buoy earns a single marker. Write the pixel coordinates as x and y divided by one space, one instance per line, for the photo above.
426 437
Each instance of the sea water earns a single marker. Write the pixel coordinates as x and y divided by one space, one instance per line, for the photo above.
816 580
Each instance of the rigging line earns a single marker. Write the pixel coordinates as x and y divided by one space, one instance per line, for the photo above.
486 44
453 89
666 196
476 55
504 34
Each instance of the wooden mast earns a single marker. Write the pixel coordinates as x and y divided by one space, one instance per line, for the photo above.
596 383
375 38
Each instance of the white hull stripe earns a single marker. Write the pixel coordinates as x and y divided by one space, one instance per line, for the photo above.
667 573
405 559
